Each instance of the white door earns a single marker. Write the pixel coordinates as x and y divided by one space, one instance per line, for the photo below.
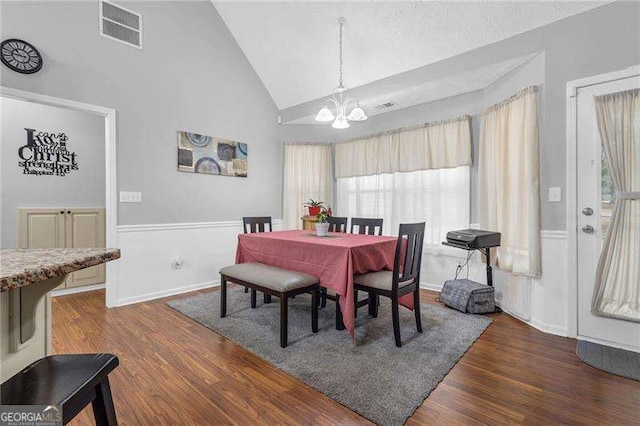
594 212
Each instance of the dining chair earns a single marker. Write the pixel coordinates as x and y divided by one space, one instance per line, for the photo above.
251 225
366 225
337 224
403 280
256 224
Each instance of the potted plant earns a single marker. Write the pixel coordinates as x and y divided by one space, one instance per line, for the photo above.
314 207
322 224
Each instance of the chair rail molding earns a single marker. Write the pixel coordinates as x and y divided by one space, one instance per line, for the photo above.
148 267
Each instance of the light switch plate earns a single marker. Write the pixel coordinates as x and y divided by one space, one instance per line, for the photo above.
555 194
130 197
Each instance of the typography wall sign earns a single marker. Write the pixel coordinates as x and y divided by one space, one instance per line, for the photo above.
46 154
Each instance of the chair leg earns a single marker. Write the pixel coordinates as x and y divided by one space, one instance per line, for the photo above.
416 309
314 310
253 298
223 297
339 321
373 305
103 409
284 320
355 303
323 297
267 298
246 289
396 321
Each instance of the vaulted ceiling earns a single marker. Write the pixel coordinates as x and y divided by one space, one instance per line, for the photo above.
293 46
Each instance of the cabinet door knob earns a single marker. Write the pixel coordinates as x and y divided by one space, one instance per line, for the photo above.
68 211
61 211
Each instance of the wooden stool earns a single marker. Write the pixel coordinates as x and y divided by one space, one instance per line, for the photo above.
70 381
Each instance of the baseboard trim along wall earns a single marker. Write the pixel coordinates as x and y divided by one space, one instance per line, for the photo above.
147 270
74 290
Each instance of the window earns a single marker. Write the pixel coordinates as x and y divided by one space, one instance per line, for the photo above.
439 197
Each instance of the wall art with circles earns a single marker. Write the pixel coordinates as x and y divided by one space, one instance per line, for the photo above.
214 156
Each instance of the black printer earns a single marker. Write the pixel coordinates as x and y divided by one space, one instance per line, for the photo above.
469 239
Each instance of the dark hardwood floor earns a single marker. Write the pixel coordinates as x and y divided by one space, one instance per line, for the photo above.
175 371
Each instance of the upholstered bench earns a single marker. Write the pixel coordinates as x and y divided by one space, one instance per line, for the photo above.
272 281
69 381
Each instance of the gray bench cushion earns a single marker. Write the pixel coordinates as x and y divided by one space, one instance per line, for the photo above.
380 280
276 279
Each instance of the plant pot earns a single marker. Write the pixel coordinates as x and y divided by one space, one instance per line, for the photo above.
314 210
322 229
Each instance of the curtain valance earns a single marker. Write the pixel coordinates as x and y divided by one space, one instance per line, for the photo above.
438 145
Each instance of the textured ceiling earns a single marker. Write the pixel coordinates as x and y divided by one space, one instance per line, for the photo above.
293 46
429 91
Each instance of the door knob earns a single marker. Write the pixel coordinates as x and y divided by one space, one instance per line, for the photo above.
587 211
588 229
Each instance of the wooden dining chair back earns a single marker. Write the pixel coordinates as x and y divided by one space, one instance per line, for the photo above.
251 225
413 234
404 279
366 225
337 224
254 224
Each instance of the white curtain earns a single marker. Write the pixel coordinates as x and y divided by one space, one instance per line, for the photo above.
508 181
308 173
445 144
439 197
617 287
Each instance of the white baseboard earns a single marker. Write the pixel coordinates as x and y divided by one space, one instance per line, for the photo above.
74 290
167 293
433 287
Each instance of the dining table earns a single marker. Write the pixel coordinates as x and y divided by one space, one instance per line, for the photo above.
333 259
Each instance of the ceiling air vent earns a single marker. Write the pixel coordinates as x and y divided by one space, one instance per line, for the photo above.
120 24
386 105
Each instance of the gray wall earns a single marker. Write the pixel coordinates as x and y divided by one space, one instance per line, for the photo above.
191 75
84 187
598 41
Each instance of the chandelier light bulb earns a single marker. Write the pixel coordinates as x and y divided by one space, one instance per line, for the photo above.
357 114
341 123
325 114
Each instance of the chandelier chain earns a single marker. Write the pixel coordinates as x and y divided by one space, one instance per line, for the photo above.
341 24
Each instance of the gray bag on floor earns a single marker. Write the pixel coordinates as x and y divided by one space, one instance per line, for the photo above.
468 296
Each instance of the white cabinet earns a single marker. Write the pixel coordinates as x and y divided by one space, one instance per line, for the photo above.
65 227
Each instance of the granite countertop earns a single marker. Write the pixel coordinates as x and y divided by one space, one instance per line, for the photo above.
21 267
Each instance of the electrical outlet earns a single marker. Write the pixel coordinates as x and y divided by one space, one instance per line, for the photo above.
130 197
176 263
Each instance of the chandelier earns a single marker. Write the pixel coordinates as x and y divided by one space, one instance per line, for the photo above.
341 100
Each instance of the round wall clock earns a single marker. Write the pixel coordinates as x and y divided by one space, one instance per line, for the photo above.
20 56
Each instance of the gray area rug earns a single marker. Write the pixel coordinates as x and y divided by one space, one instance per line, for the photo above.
612 360
372 377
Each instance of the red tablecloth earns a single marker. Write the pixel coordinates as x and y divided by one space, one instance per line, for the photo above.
333 259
